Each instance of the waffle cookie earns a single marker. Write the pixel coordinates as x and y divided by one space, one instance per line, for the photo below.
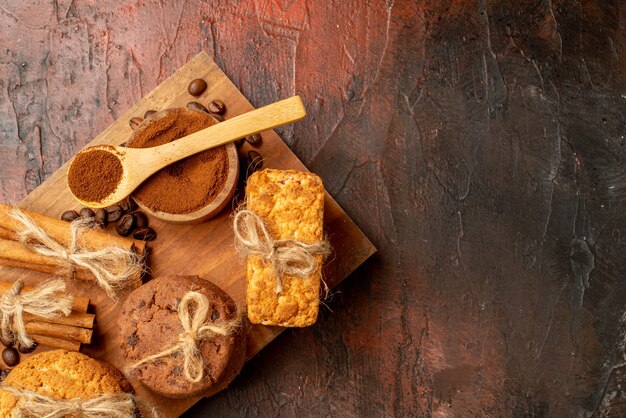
291 203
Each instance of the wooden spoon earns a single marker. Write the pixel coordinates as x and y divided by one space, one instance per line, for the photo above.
140 163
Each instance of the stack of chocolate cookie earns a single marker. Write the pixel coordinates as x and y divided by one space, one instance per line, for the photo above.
150 323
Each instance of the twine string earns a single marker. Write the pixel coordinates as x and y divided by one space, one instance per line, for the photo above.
111 266
287 256
195 330
45 300
115 405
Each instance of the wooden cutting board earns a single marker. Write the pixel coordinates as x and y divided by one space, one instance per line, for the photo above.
205 249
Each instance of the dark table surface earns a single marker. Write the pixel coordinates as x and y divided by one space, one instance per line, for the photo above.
479 144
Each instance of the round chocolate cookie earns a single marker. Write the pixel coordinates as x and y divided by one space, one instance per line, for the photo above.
62 374
149 324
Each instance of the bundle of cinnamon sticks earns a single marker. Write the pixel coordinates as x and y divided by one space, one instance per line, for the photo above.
65 332
16 254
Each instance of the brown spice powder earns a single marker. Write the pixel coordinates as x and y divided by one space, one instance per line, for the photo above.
94 175
187 185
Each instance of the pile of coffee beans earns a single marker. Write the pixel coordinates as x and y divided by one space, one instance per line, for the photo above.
10 355
215 108
127 219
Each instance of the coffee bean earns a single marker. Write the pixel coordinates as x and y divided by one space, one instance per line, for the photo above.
254 139
69 215
10 356
128 205
141 220
102 217
197 106
87 213
135 122
255 161
239 142
148 113
3 374
217 106
114 213
7 343
197 87
144 234
125 225
25 350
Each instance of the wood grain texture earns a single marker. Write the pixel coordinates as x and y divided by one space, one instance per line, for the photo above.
480 144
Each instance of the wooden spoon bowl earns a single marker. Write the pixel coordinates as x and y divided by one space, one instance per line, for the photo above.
129 167
219 201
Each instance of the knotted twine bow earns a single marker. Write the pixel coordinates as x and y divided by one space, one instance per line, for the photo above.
45 300
287 256
111 266
196 329
118 405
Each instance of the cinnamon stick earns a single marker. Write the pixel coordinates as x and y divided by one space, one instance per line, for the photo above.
15 254
60 231
56 343
59 332
79 304
75 319
66 332
6 234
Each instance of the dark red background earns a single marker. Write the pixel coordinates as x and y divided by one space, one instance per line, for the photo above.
479 144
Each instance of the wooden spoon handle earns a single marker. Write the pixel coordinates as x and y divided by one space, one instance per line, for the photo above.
262 119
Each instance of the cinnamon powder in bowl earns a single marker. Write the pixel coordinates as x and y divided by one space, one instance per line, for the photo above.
190 190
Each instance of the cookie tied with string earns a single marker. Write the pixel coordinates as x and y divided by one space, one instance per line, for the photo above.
281 234
61 383
182 336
